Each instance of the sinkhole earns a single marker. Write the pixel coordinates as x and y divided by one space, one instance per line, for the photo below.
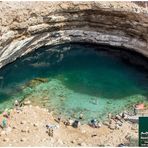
73 78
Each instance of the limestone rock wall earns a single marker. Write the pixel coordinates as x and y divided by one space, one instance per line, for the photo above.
26 26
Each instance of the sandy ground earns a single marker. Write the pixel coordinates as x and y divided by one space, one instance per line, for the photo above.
28 128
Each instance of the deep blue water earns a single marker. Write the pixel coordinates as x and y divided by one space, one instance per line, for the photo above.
88 79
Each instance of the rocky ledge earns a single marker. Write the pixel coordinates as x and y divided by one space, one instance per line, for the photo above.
26 26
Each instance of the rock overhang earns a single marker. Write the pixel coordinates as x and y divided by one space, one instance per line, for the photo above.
28 26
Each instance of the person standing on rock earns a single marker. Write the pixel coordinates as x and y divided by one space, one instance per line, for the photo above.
16 104
4 123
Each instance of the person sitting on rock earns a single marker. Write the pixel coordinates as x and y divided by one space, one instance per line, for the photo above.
6 113
95 124
76 124
67 123
58 119
16 103
50 132
4 123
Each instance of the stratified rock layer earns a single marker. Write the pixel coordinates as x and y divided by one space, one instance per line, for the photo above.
26 26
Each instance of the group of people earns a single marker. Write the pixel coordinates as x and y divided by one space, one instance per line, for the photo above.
5 118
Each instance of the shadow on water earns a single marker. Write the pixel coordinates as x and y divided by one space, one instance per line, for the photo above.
80 69
4 97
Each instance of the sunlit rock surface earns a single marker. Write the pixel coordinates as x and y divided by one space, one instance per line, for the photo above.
26 26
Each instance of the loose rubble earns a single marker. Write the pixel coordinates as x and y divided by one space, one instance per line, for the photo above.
38 127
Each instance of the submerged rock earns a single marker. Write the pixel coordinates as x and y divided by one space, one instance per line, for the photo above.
35 82
42 64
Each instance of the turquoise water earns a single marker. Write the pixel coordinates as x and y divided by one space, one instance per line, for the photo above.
75 78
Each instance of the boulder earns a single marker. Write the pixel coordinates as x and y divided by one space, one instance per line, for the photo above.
25 130
128 136
73 141
109 116
112 126
71 122
8 129
119 123
133 119
27 102
60 142
23 122
23 139
35 125
82 144
106 123
14 127
6 139
3 133
118 117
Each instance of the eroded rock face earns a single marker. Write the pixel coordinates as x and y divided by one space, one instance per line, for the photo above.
26 26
